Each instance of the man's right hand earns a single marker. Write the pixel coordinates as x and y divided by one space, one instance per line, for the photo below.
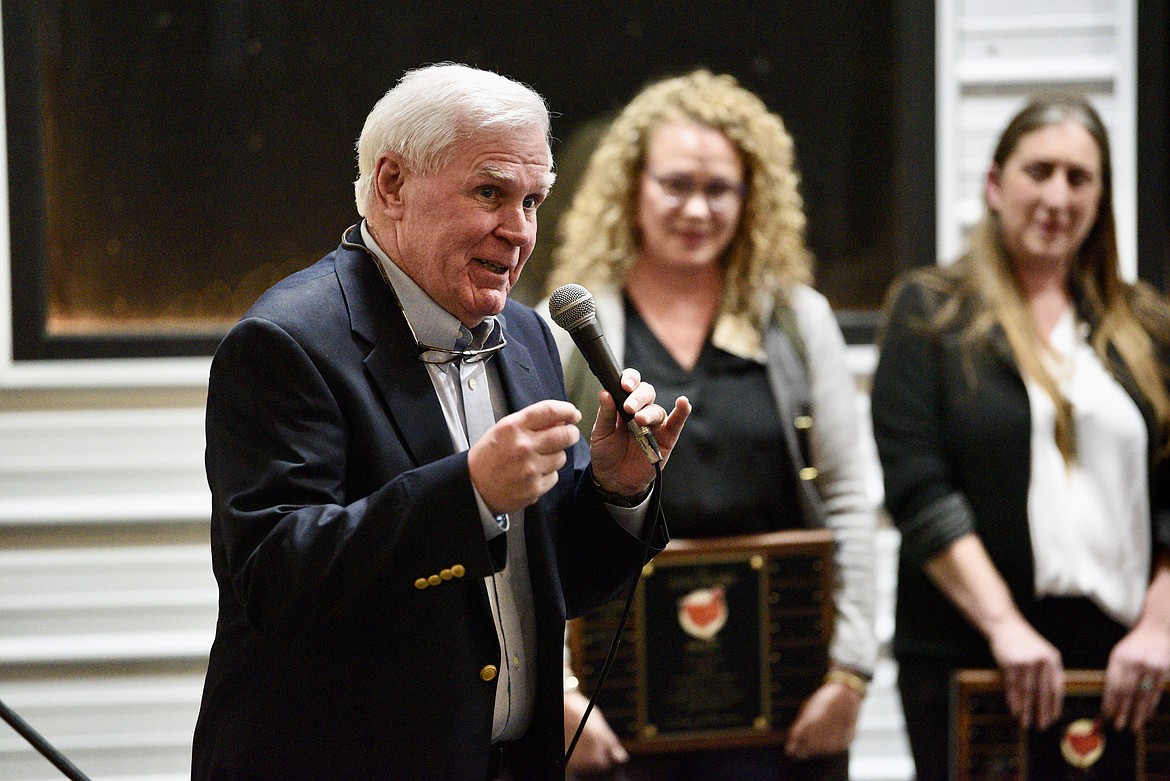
516 461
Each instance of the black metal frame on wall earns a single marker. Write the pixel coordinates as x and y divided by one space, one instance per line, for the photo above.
1153 153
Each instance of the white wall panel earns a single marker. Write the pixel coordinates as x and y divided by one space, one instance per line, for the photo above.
993 55
107 602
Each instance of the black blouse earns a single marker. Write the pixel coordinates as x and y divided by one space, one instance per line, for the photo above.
730 472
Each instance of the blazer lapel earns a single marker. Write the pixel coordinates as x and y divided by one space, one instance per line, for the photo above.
521 386
392 365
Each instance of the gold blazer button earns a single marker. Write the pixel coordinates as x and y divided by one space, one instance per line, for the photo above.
809 473
434 580
488 673
421 583
803 422
458 571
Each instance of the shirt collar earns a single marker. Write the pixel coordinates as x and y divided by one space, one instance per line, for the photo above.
432 324
738 335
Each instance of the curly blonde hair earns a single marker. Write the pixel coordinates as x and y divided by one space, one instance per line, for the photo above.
599 233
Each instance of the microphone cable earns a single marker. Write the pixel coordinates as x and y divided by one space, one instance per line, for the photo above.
37 741
655 515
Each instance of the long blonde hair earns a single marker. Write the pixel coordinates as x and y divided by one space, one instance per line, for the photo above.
599 233
1129 319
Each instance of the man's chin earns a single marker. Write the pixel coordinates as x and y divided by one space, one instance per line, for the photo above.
488 304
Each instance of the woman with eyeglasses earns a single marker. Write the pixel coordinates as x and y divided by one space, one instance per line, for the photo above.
688 230
1021 414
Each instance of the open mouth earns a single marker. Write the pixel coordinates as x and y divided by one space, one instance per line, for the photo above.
495 268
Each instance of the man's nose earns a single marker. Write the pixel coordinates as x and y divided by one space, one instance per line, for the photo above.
517 227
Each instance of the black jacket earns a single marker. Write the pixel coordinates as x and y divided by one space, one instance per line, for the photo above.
954 435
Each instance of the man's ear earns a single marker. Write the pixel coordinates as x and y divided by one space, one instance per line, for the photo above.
389 176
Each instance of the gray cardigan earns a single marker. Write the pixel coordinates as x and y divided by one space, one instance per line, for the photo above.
836 498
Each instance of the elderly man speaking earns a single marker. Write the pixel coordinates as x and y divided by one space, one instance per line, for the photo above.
403 515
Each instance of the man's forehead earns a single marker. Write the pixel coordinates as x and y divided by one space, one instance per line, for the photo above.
525 146
542 177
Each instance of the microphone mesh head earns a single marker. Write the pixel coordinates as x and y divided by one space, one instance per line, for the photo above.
571 305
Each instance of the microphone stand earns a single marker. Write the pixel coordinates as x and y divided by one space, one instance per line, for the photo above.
37 741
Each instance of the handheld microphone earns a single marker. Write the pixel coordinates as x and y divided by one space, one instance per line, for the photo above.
573 309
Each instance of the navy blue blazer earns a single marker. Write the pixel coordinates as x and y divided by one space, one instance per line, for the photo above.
336 492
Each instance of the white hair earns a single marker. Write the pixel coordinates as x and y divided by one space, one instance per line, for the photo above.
431 108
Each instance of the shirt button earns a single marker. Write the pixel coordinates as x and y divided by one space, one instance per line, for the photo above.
471 383
809 473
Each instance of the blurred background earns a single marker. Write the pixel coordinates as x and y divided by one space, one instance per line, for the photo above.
168 161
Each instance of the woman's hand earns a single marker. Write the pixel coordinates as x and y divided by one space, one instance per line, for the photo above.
598 750
1138 664
1033 672
827 722
1135 676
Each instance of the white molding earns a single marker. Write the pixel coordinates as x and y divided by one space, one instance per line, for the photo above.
1055 71
861 360
978 24
170 508
1123 139
103 647
86 634
97 373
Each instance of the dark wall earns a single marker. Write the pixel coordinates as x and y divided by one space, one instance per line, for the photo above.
180 157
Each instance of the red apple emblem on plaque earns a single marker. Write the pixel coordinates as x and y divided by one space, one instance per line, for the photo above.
1082 743
703 612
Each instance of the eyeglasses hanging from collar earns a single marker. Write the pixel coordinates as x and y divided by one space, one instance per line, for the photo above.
429 353
441 355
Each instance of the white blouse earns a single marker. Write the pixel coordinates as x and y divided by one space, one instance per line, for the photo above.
1089 522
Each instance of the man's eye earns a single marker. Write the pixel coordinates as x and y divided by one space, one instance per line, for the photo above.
487 191
531 202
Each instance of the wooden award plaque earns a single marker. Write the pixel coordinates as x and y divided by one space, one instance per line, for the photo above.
735 639
988 745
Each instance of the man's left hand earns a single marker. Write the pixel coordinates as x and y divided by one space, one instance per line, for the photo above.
619 465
